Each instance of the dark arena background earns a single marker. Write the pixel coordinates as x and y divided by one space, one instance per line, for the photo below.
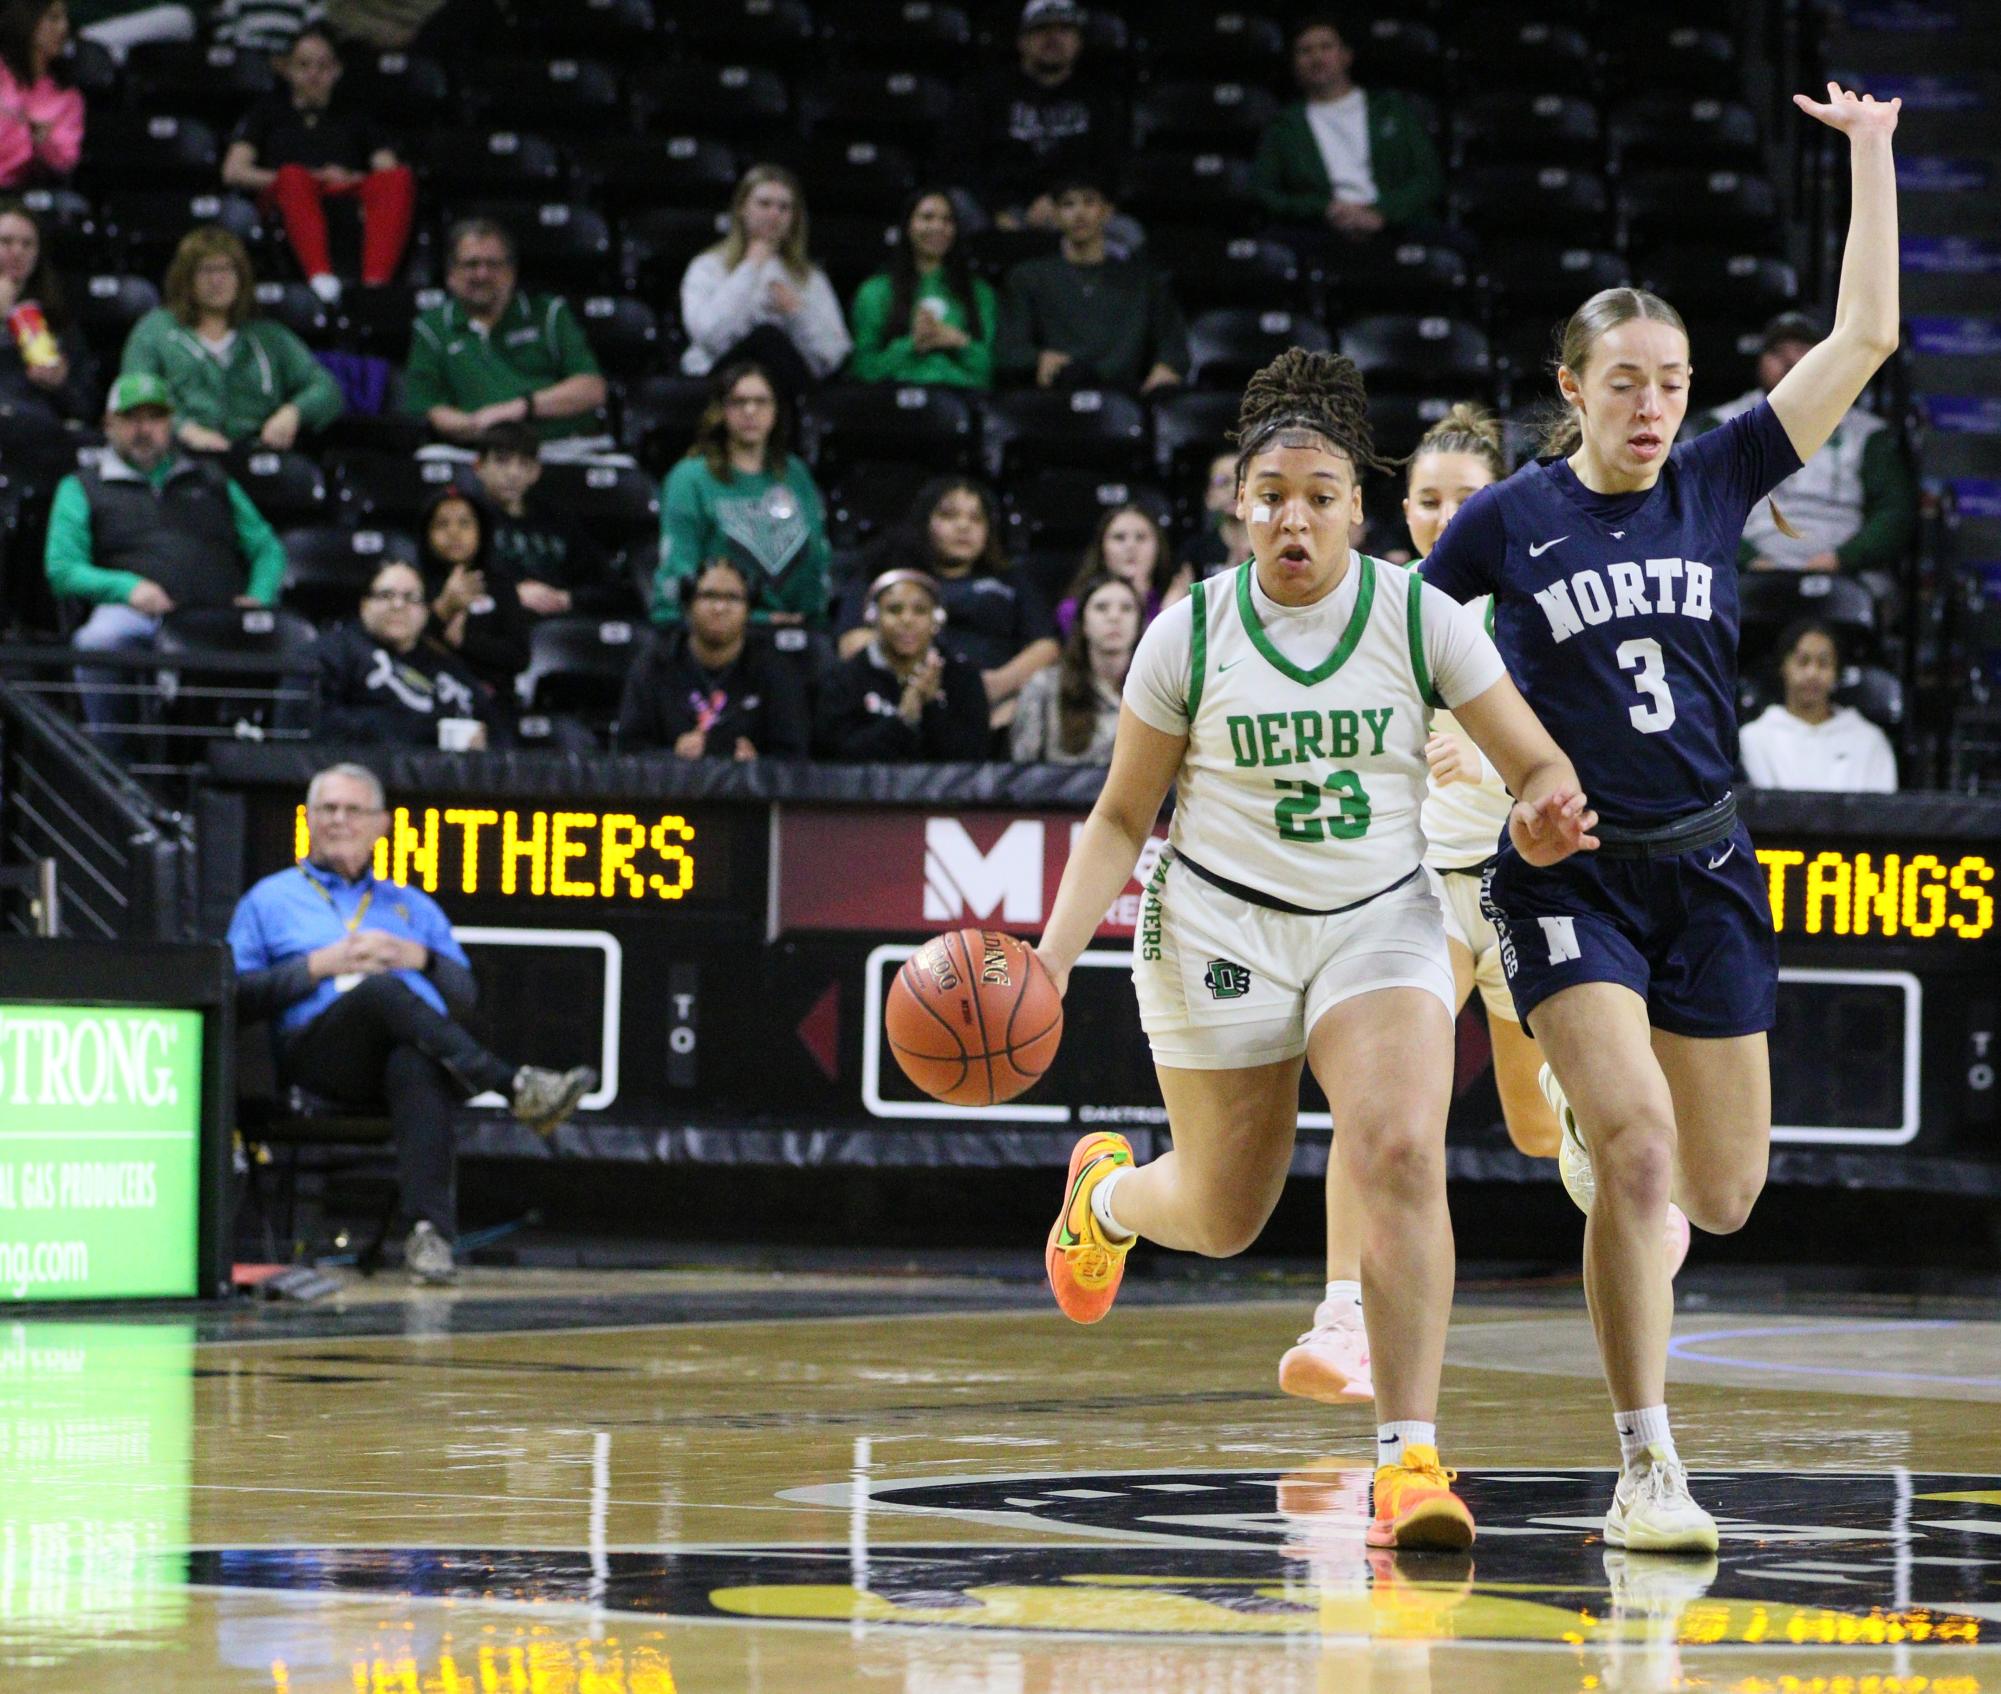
746 1374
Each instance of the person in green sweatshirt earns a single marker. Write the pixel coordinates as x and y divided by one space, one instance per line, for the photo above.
742 494
1344 164
147 530
233 376
927 318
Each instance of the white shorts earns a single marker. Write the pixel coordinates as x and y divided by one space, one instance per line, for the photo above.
1224 984
1467 924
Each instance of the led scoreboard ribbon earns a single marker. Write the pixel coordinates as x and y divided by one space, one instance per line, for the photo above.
1898 896
532 851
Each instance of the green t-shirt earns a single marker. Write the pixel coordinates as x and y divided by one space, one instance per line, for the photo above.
773 526
536 343
884 352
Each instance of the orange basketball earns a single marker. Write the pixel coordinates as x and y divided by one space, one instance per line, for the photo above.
973 1018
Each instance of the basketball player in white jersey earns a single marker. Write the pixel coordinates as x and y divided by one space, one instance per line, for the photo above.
1288 704
1465 812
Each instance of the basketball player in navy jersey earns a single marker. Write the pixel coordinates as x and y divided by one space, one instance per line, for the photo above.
1648 970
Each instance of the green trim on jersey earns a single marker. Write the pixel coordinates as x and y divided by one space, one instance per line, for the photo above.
1351 637
1413 606
1198 645
1491 604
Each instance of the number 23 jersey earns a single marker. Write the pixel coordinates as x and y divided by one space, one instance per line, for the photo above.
1617 613
1305 773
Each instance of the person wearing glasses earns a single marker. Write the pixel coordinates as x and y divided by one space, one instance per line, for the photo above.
367 990
494 354
743 494
713 687
381 682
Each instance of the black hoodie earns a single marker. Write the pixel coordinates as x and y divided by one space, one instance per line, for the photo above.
370 693
494 646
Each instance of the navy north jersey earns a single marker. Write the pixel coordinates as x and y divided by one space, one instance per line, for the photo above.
1617 613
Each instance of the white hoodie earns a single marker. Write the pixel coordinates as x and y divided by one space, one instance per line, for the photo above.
720 307
1846 754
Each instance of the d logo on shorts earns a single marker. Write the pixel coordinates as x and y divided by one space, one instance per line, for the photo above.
1226 981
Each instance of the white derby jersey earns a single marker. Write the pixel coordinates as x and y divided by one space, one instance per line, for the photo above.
1463 820
1305 773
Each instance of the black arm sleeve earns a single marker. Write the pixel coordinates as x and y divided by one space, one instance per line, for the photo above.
263 994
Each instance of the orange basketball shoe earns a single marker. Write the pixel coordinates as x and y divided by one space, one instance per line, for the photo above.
1084 1263
1415 1505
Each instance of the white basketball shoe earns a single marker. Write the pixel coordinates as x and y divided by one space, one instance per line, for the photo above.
1653 1512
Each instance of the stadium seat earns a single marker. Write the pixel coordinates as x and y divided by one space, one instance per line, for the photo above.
93 71
1190 429
268 632
288 488
1199 41
559 96
901 108
1435 354
1225 347
578 664
1719 279
900 35
655 246
300 310
617 504
658 419
1670 130
378 320
612 29
411 85
1195 189
1397 420
1548 275
564 248
149 225
934 427
235 629
1664 55
1769 600
327 566
867 496
1410 276
851 248
1221 117
1510 127
1403 53
500 164
1062 508
1505 51
1724 351
65 215
859 178
1084 426
1725 207
637 172
211 82
1876 693
108 306
1209 271
624 333
1525 347
1532 200
124 150
751 32
389 491
740 104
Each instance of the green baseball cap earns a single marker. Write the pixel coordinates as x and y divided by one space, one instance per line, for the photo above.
140 388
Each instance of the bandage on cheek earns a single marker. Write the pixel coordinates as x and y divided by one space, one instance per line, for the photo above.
1261 513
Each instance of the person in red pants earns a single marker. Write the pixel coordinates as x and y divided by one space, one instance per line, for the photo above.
298 145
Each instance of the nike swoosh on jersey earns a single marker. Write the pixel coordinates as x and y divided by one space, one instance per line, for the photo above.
1717 864
1226 664
1537 549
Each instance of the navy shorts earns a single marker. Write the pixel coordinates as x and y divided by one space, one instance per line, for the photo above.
1690 933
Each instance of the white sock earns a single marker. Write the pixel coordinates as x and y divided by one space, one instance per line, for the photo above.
1101 1204
1648 1427
1345 1294
1393 1440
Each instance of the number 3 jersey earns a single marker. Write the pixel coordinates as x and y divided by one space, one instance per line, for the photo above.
1305 772
1617 613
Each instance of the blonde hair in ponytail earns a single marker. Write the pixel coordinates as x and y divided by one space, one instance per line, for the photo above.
1467 428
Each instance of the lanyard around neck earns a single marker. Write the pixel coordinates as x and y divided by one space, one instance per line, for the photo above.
361 911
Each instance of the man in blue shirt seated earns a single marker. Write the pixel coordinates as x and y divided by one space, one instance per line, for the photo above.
366 982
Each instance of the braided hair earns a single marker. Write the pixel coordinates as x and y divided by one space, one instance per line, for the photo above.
1304 399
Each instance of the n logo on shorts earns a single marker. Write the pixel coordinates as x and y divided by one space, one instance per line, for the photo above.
1226 981
1561 934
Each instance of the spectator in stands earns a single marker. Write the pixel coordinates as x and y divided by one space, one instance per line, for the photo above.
381 681
386 26
262 26
1344 164
556 568
743 494
146 530
1131 546
1069 713
491 354
1853 504
1807 741
927 319
1082 319
1038 121
475 599
234 376
47 376
120 25
300 147
757 295
994 620
1227 539
368 989
41 116
712 687
902 696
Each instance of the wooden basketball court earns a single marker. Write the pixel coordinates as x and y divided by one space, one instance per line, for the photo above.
571 1484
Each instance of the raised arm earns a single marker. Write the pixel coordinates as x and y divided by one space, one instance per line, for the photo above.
1816 393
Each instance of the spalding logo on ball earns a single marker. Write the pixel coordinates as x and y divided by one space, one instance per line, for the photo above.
973 1018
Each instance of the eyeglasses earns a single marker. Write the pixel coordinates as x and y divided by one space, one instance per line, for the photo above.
322 808
396 596
726 596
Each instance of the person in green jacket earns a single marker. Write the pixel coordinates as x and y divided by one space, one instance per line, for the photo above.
742 494
927 319
1343 162
233 376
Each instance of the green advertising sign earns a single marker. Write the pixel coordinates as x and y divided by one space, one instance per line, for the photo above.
100 1150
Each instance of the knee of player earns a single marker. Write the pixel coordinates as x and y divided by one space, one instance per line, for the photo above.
1398 1160
1535 1138
1227 1230
1635 1163
1722 1207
